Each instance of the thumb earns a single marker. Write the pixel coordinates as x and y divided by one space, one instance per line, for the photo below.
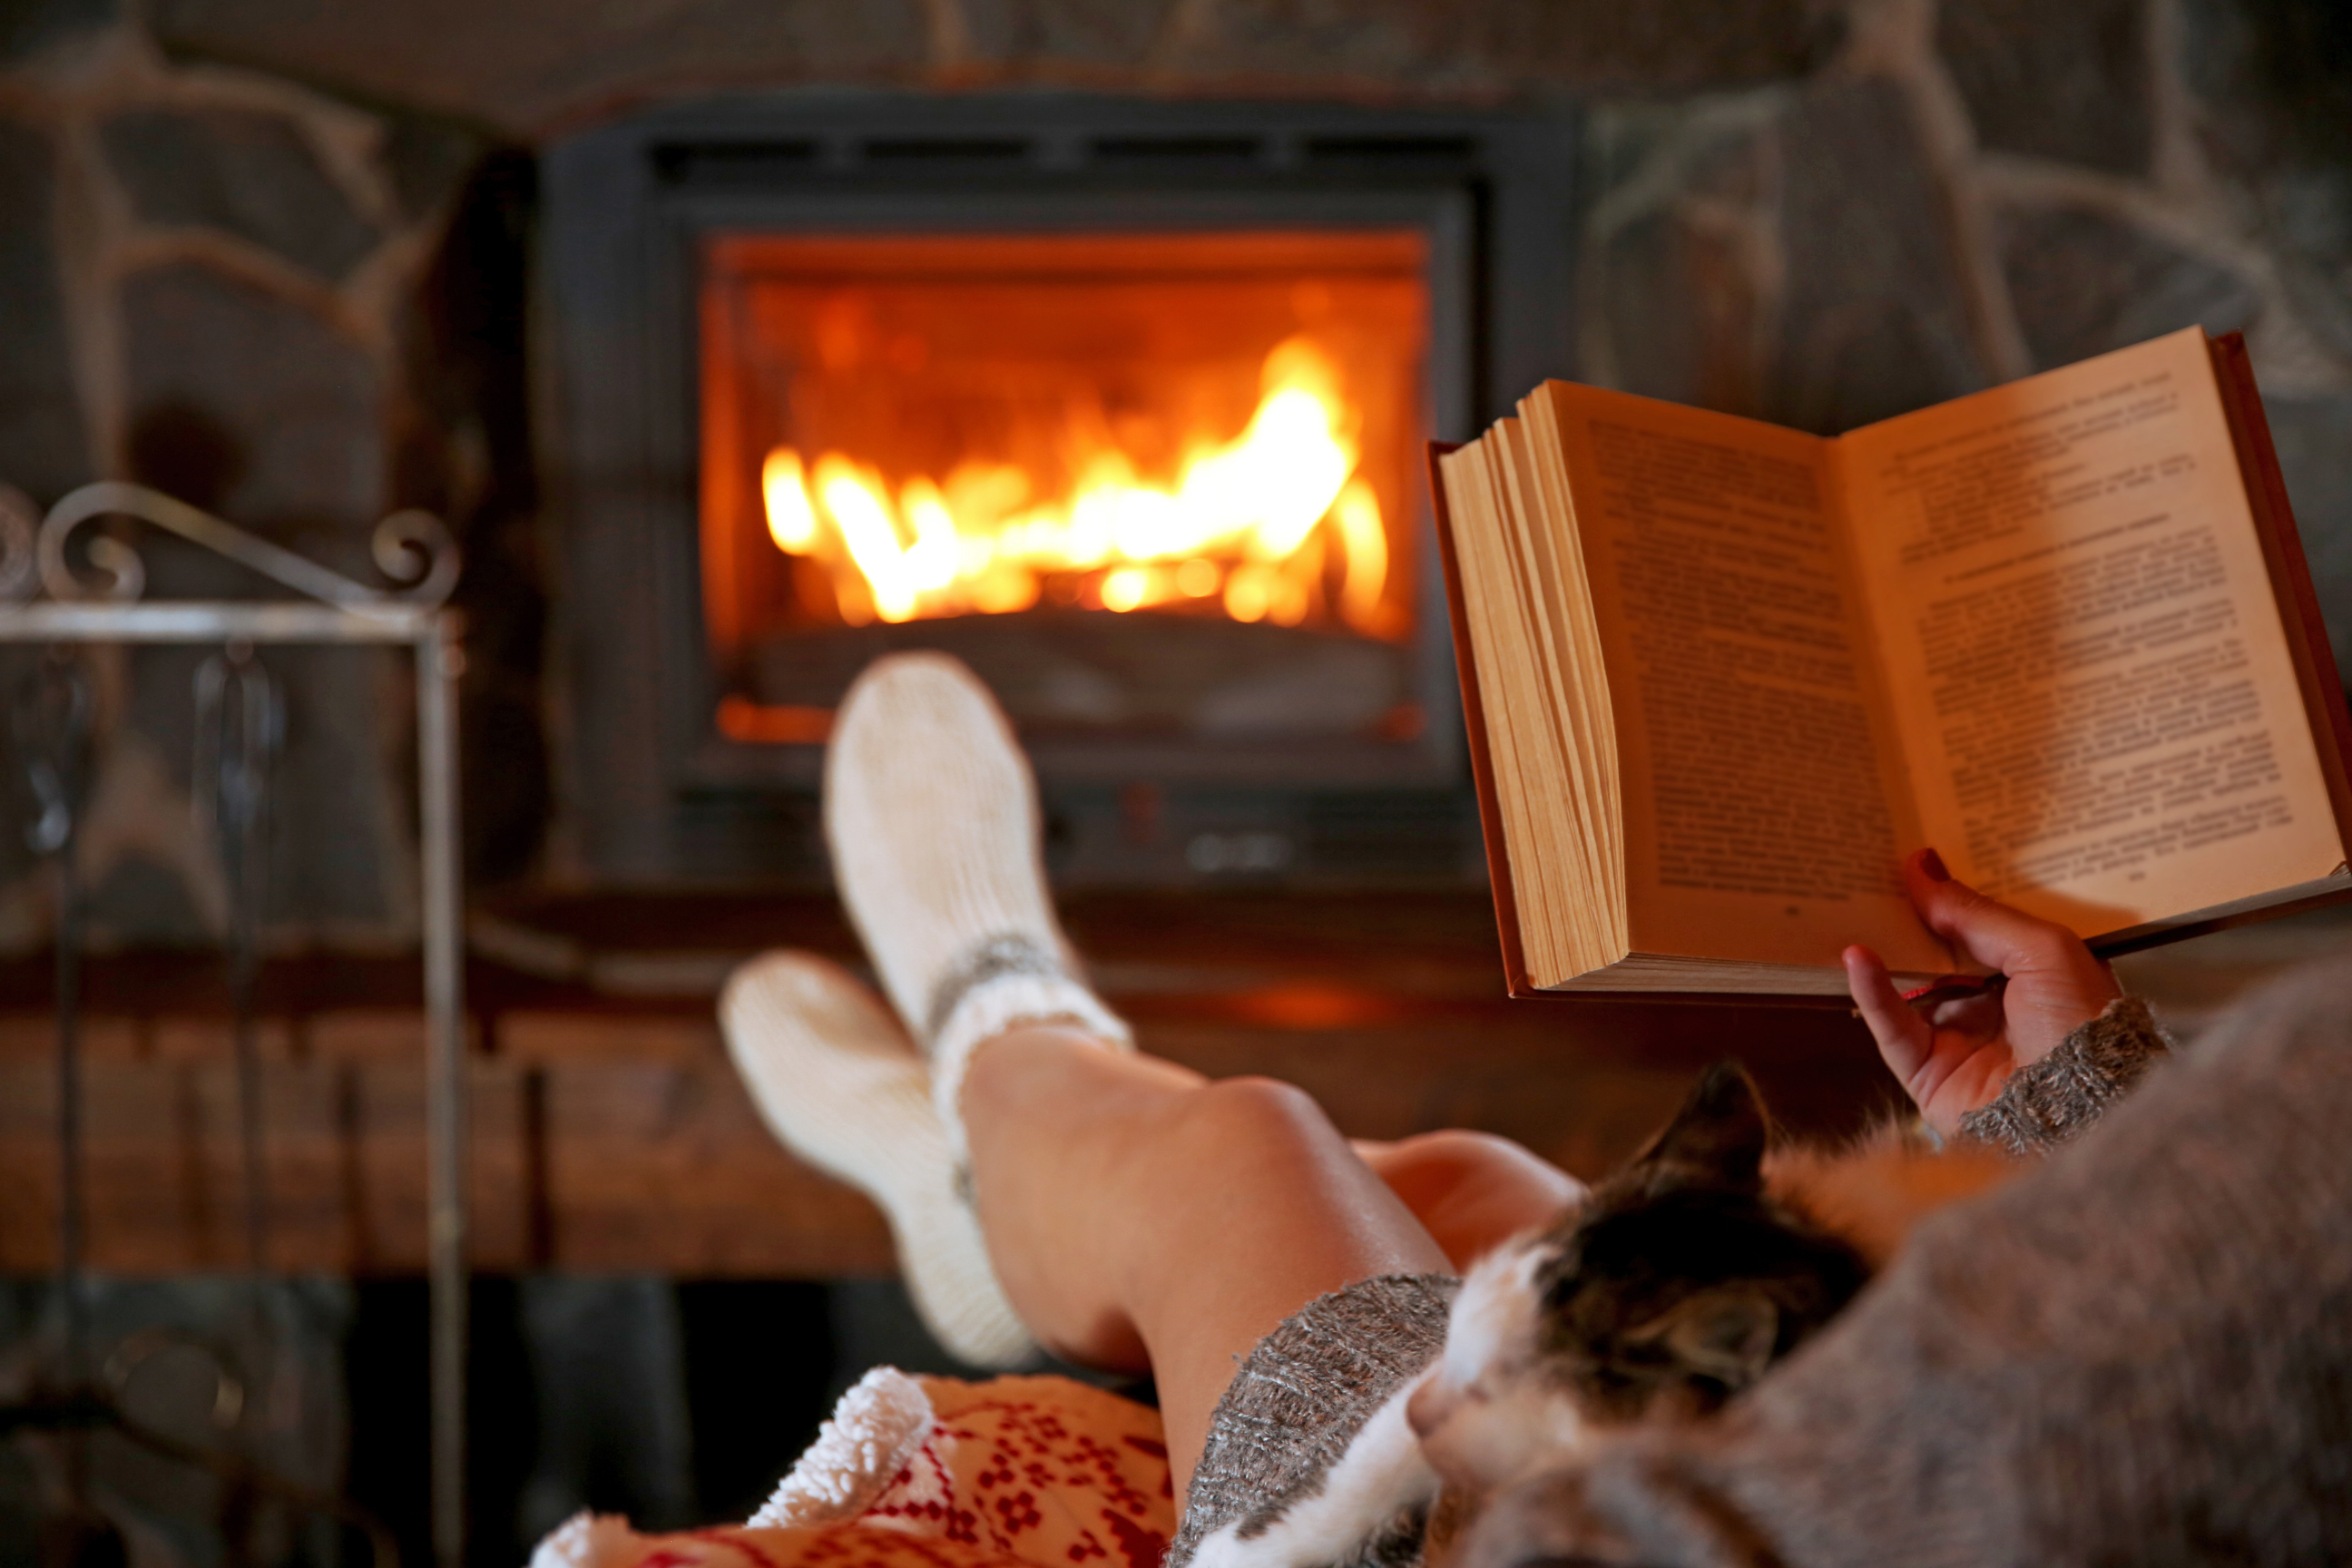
1989 932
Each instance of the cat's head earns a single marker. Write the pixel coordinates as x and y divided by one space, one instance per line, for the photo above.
1682 1278
1668 1289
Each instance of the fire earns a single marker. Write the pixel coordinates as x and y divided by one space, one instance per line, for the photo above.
1273 524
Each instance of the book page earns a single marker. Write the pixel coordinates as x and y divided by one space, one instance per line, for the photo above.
1765 814
1573 696
2096 699
1538 817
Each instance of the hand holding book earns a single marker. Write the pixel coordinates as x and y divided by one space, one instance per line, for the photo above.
1953 1056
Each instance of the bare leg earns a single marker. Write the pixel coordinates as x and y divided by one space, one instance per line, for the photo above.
1140 1216
1471 1191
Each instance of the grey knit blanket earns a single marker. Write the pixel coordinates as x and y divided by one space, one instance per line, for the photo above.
2139 1353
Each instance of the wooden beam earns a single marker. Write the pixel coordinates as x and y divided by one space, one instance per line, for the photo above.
610 1133
610 1146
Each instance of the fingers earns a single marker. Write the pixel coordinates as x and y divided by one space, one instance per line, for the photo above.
1905 1039
1987 929
2055 984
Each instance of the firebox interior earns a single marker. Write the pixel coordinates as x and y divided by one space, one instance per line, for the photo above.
1155 482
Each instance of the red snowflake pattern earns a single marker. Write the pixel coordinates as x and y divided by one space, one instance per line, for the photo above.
1017 1472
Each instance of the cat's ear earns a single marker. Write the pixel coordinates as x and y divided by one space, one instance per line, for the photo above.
1720 1131
1726 1335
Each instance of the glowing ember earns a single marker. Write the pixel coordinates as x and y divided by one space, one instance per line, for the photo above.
1273 524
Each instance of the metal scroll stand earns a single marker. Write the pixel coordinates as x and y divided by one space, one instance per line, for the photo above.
237 712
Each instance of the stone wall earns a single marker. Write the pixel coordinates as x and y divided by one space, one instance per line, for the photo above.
1980 189
1971 193
534 68
222 285
271 255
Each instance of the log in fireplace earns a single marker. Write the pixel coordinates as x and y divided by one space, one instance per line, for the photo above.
1123 404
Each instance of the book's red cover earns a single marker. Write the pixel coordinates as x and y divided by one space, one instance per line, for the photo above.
2298 603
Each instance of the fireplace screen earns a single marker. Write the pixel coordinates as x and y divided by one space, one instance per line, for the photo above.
1143 483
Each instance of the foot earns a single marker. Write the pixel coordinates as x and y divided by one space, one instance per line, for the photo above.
931 816
841 1084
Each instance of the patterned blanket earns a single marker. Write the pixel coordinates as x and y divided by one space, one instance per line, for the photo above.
931 1473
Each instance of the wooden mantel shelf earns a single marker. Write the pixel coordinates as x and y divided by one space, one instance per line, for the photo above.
610 1133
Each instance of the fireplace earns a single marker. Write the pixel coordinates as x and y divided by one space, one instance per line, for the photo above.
1122 404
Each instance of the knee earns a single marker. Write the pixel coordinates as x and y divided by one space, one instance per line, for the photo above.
1474 1191
1454 1149
1252 1119
1427 1166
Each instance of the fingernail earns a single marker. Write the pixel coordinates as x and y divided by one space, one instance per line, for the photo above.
1932 864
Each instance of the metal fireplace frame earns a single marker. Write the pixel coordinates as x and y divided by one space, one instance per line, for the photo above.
659 795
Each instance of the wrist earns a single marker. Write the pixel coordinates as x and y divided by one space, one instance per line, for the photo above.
2046 1103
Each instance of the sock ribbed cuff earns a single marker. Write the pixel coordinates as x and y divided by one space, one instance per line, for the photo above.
1006 981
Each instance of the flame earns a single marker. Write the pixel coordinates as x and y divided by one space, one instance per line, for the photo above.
1249 524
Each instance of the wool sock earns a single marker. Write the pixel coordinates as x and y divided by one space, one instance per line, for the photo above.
840 1085
931 816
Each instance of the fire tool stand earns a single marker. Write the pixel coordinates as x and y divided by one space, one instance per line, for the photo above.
410 547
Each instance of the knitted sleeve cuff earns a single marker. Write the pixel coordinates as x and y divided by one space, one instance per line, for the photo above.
2047 1105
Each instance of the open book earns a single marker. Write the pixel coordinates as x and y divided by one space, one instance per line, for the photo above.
1720 675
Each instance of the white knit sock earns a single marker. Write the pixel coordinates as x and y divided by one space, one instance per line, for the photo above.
931 816
840 1085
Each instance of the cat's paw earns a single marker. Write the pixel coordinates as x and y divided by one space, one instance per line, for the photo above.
1225 1548
1267 1546
1366 1508
1281 1543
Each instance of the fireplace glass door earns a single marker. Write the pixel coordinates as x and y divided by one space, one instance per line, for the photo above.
1148 484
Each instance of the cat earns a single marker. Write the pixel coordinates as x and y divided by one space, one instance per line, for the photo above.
1659 1294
